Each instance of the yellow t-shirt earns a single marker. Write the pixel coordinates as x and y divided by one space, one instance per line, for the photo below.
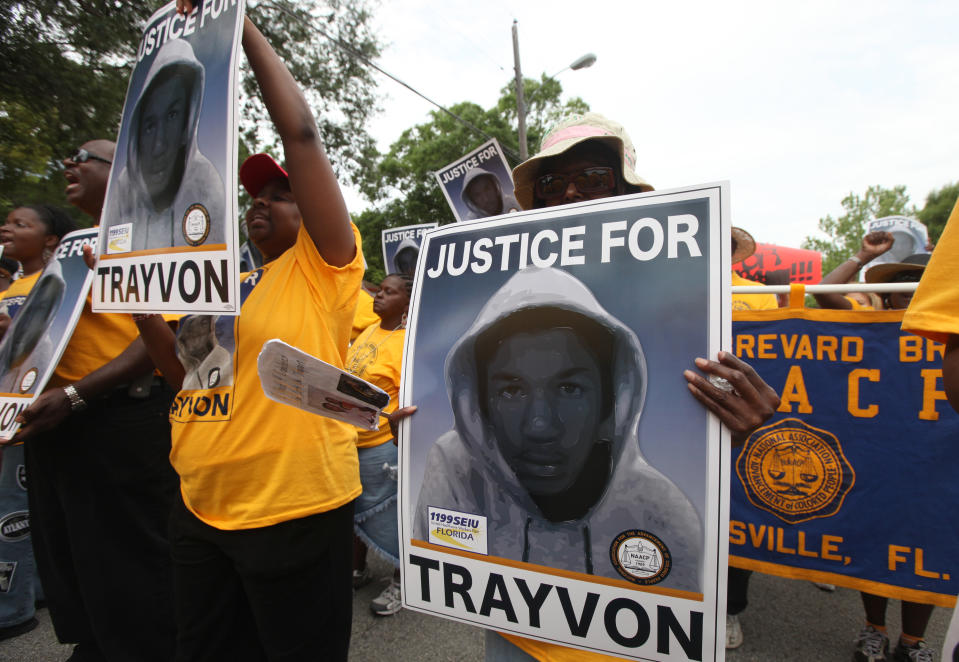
97 339
934 309
752 301
364 316
246 461
377 356
16 294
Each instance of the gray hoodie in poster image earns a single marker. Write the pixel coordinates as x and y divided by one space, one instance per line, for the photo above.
165 172
485 195
547 390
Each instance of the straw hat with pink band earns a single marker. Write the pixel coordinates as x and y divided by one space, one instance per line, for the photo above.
572 131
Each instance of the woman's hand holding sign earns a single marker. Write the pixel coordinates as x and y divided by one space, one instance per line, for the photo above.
749 403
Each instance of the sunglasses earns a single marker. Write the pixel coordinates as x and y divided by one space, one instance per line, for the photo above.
82 156
590 180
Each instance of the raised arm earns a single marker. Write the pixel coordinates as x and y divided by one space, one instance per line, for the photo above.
874 244
312 179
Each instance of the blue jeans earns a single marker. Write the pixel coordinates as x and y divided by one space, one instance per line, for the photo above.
374 519
18 570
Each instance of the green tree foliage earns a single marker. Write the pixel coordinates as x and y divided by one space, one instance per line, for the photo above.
939 204
844 233
401 183
66 66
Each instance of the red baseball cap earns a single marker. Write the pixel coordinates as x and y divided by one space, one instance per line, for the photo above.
259 169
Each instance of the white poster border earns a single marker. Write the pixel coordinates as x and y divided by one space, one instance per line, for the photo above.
713 601
462 160
12 404
230 250
419 231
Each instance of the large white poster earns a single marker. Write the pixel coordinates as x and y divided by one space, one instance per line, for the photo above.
42 327
401 247
479 184
559 481
168 234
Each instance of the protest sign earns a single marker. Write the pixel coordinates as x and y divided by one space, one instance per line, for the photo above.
168 234
909 237
558 480
851 483
401 247
41 329
798 265
479 184
295 378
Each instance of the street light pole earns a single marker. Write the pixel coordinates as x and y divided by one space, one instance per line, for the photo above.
520 102
579 63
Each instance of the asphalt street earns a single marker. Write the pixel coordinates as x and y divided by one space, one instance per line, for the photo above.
786 621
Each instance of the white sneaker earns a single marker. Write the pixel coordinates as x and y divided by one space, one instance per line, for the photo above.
871 645
389 601
734 632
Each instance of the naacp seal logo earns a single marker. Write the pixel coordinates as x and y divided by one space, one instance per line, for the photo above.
640 557
196 224
28 380
795 471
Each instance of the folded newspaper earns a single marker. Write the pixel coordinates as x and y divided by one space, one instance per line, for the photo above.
293 377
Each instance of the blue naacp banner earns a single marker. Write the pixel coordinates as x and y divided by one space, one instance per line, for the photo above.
853 481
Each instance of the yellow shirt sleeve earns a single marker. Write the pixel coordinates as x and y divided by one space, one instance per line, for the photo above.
934 309
752 301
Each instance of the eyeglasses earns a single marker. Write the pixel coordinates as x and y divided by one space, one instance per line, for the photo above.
590 180
82 156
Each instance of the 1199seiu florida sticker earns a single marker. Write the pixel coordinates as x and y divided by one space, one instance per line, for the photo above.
558 481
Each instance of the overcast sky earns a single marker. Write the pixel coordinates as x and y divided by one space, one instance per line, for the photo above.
796 104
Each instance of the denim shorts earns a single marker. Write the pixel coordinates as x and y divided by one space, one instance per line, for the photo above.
375 516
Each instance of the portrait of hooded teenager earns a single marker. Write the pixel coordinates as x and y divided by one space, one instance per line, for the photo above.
484 196
28 338
165 172
404 260
547 391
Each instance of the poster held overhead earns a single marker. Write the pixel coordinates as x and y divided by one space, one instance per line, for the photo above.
909 238
168 234
558 480
479 184
401 247
41 329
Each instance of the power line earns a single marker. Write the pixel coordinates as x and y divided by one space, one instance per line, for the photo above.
370 63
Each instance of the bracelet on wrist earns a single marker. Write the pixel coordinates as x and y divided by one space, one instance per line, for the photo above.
77 403
140 317
856 259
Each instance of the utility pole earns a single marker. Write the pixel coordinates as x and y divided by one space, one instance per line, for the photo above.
520 101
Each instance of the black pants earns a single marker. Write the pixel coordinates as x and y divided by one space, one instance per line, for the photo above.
279 593
737 590
101 492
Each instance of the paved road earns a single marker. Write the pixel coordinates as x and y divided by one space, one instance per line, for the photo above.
786 621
